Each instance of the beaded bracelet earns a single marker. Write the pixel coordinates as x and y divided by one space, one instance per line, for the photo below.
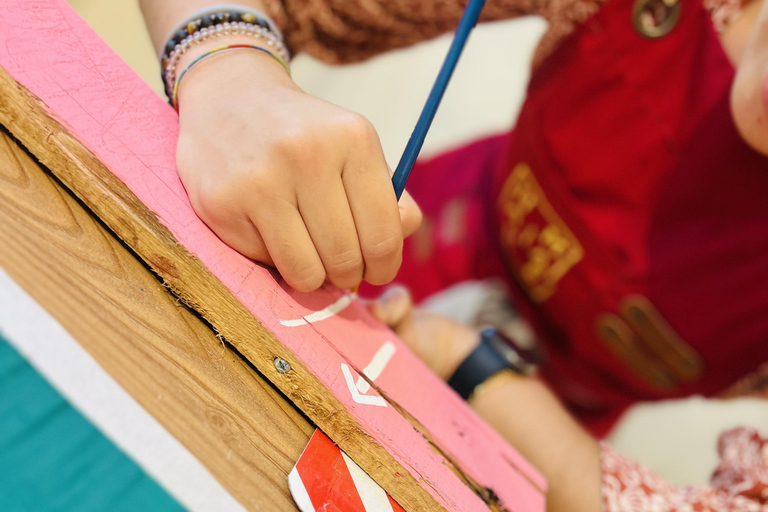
214 15
217 21
170 64
174 96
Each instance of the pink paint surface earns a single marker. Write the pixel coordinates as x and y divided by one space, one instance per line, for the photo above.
47 48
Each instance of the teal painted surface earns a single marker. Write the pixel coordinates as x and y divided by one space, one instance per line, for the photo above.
52 459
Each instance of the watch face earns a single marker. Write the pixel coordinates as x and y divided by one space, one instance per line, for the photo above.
520 359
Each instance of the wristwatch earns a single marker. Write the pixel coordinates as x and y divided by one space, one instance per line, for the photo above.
494 353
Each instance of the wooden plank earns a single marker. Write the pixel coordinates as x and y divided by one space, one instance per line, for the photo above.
58 73
228 416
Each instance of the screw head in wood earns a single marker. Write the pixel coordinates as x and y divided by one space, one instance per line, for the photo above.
282 365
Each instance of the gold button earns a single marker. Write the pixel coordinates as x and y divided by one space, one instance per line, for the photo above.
655 18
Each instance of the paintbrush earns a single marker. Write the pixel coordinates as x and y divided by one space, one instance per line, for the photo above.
413 148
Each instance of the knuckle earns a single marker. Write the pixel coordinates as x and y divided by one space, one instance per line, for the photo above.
213 203
383 259
290 144
348 264
302 275
308 280
361 128
386 248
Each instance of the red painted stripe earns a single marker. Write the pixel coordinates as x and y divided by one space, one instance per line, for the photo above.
395 506
326 477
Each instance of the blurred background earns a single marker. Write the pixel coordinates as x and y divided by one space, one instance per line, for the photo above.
676 438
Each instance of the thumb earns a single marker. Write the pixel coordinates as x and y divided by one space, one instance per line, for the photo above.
394 307
410 214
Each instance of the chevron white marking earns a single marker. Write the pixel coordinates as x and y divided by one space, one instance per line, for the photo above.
356 395
299 492
373 497
325 479
322 314
376 366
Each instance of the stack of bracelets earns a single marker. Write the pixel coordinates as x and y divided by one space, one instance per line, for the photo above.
212 23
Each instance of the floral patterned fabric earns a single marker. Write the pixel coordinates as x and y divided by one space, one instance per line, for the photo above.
739 484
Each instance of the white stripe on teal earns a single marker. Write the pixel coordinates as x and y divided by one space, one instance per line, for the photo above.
84 384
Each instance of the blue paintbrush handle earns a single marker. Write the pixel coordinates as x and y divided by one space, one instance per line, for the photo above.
412 149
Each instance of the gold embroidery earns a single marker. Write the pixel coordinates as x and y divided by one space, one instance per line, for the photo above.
643 339
660 338
534 236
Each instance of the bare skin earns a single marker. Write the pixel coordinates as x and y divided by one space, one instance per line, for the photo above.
286 179
295 182
292 181
745 42
520 408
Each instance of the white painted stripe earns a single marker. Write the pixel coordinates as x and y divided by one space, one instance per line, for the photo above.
373 497
356 396
299 492
376 366
323 314
92 391
293 323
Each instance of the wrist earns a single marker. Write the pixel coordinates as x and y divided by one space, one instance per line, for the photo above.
230 74
489 389
466 341
493 354
232 62
214 31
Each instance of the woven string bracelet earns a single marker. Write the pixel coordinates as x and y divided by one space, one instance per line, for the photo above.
175 93
241 28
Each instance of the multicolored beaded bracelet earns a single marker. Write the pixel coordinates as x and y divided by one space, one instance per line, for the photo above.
175 92
215 21
171 63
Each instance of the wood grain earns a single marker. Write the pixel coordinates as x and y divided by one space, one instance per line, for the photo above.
203 393
111 141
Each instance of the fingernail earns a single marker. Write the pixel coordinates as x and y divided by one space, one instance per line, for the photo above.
393 293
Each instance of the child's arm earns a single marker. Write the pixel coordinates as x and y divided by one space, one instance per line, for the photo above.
282 177
520 408
582 475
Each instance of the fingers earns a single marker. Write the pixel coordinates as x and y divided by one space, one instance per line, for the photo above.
219 210
245 239
275 206
394 307
328 219
289 244
374 207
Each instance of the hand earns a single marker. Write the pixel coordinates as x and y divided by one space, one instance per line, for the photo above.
746 41
287 179
440 342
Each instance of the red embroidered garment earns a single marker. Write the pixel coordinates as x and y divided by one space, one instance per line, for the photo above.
630 212
739 484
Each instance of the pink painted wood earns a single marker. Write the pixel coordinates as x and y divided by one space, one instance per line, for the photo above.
48 49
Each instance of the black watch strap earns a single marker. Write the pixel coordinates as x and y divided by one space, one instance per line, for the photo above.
485 361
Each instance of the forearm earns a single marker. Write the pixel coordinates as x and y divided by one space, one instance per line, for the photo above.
526 413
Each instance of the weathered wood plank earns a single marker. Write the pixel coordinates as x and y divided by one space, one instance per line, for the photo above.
240 428
114 123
